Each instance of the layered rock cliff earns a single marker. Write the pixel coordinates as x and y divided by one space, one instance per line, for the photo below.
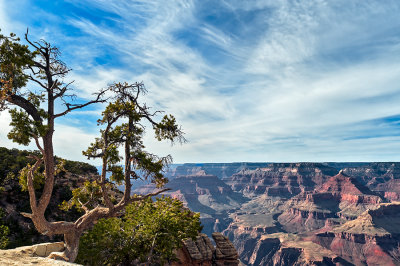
280 180
340 198
288 213
202 252
372 239
286 249
383 177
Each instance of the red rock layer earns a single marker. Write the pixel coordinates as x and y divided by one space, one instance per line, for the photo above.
309 211
372 239
280 180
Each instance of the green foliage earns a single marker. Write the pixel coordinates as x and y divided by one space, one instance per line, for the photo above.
21 127
4 232
14 59
167 129
130 134
38 178
89 195
12 161
79 168
122 129
117 174
148 232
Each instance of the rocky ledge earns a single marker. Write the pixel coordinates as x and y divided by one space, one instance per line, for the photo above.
202 252
282 249
33 255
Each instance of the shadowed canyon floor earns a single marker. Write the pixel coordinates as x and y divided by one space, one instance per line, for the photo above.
297 213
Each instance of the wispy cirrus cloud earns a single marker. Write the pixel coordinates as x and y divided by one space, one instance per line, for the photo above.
249 80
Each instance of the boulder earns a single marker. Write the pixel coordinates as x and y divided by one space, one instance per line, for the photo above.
202 252
33 255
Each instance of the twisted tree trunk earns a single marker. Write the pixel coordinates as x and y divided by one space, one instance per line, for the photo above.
70 253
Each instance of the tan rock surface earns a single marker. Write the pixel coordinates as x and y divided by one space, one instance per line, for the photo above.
224 247
33 255
202 252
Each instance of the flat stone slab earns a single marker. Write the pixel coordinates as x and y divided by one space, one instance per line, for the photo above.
33 255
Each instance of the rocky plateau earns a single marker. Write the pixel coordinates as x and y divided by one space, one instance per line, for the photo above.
297 213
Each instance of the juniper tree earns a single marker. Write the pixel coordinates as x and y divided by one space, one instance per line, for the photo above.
32 79
150 231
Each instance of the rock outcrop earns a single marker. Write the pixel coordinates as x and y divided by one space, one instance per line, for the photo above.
202 252
33 255
373 238
340 198
289 213
382 177
287 249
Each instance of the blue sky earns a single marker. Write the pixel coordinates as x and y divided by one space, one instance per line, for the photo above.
247 80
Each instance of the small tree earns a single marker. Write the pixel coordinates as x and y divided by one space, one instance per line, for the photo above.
148 232
39 63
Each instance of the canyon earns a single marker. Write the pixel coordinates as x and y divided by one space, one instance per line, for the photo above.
296 213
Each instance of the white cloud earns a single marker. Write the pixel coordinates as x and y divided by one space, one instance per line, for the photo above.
71 141
5 24
300 86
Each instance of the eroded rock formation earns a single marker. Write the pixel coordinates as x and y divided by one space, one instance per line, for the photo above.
290 212
202 252
373 238
280 180
340 198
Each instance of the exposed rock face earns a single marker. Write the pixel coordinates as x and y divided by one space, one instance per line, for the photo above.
341 198
383 178
224 248
390 189
373 238
288 213
281 179
201 193
286 249
202 252
33 255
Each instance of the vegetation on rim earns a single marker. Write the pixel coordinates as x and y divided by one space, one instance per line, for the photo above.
150 231
34 120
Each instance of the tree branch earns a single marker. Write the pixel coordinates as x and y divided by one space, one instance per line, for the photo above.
31 189
26 105
38 144
79 106
27 215
149 195
29 41
38 82
84 206
63 90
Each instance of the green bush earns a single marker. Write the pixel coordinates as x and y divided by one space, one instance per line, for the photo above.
4 232
149 231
